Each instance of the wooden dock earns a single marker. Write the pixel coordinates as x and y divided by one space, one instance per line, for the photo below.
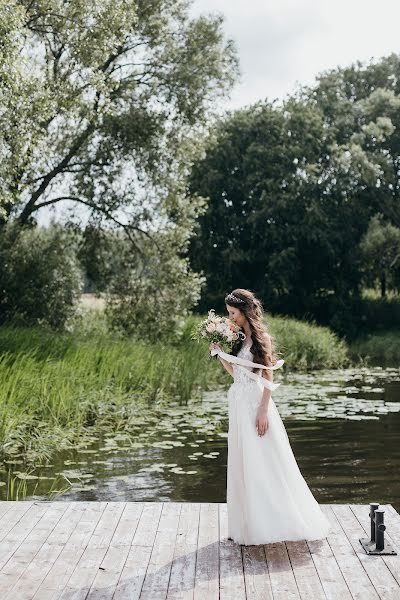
152 550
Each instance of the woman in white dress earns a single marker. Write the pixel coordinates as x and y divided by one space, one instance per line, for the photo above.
268 499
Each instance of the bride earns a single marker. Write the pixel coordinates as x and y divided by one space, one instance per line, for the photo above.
268 499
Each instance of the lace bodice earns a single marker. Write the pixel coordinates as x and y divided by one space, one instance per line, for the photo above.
245 352
239 371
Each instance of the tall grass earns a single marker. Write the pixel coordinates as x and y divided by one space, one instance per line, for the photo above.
382 348
55 387
306 346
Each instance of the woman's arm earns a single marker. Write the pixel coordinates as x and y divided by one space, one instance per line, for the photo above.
227 365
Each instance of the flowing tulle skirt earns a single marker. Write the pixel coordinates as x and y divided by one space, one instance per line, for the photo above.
268 499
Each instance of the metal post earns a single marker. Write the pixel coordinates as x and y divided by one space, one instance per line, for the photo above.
377 544
373 506
379 529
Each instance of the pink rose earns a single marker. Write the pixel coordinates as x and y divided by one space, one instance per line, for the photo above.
210 327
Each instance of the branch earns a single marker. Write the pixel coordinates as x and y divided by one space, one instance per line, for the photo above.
127 227
30 206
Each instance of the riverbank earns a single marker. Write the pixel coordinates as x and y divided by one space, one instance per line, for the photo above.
58 389
378 348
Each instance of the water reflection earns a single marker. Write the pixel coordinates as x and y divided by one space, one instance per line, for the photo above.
343 426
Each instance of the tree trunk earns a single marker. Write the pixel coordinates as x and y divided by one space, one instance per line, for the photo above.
383 284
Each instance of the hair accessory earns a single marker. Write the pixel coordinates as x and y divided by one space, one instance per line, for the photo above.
234 299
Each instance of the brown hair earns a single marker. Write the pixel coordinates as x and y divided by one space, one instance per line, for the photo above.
264 353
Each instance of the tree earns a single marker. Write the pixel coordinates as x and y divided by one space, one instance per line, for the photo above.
268 224
292 188
380 248
40 279
104 105
361 105
100 101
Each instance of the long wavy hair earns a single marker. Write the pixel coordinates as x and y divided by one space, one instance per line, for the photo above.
252 309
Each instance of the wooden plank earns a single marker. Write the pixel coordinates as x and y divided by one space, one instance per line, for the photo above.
283 583
232 582
133 573
12 583
304 571
106 527
354 574
127 525
155 583
331 577
109 574
375 567
7 505
391 510
131 580
82 577
392 521
256 574
57 577
181 582
27 527
52 547
12 516
206 586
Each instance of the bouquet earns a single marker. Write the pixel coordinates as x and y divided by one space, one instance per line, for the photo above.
220 330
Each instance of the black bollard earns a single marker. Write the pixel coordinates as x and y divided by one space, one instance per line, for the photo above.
379 529
377 544
373 506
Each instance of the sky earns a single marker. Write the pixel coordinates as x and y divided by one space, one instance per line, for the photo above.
284 43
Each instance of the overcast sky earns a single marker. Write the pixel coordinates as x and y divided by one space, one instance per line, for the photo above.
282 42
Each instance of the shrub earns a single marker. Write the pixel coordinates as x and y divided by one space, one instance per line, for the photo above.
39 276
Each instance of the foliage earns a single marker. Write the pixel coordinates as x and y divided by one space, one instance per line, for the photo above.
306 346
380 248
150 295
292 189
101 100
39 276
103 106
378 348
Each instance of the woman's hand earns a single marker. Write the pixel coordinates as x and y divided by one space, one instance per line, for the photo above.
261 421
215 345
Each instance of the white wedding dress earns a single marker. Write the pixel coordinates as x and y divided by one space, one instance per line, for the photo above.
268 499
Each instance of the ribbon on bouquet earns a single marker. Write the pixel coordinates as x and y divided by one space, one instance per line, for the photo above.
247 363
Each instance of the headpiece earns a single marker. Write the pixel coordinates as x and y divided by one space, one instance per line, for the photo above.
234 299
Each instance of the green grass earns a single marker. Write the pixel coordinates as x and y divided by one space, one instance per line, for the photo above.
57 387
378 348
54 386
306 346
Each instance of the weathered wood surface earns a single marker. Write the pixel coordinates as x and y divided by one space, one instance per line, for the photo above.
154 550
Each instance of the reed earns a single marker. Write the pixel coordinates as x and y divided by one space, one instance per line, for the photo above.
55 387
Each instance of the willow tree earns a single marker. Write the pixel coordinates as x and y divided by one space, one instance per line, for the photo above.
102 105
98 96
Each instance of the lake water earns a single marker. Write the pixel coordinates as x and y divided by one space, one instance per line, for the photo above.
344 428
